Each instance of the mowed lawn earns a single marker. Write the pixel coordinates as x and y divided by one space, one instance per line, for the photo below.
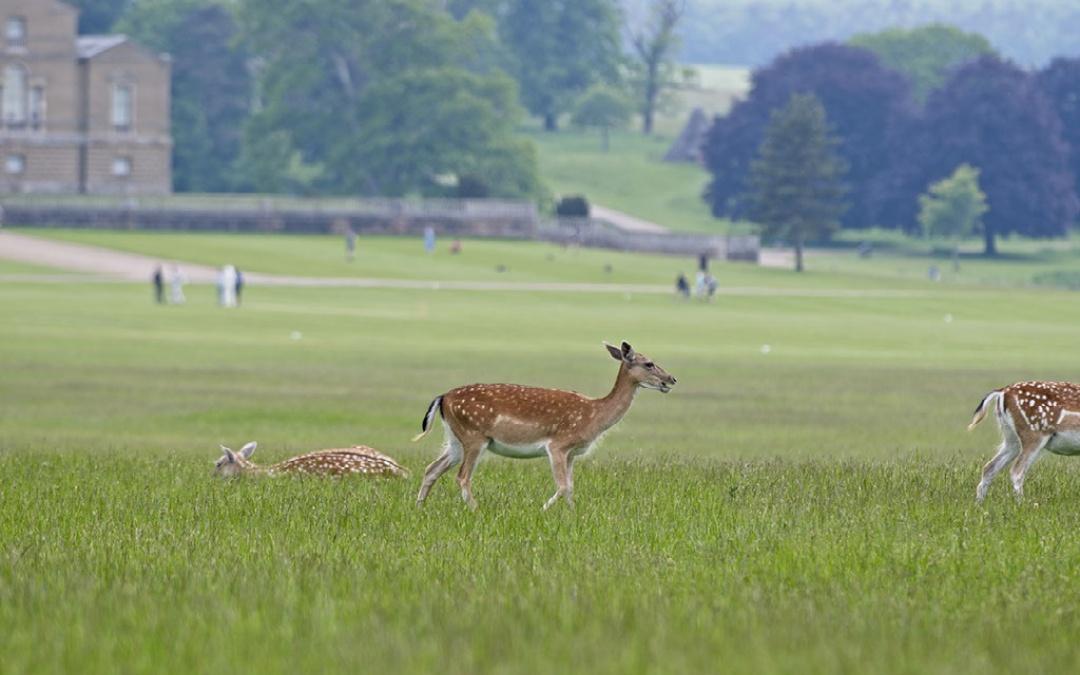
807 509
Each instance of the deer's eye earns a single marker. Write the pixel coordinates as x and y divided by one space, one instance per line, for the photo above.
650 365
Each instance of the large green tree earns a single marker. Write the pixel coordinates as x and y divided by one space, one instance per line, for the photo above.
427 125
604 108
653 65
796 183
926 55
211 87
953 207
381 97
558 49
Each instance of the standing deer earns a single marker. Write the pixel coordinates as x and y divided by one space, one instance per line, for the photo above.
523 422
358 459
1032 416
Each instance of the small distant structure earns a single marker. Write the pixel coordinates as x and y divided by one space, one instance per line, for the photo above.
687 147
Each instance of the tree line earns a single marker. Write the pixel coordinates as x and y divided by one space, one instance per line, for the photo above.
754 32
1019 129
391 97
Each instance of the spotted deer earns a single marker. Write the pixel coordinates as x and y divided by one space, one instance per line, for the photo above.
1032 416
358 459
525 422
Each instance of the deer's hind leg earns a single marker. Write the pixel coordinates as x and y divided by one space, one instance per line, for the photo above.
451 456
1032 443
1009 448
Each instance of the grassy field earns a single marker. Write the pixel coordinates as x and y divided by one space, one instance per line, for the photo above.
714 90
896 263
13 267
1022 262
386 257
807 509
630 177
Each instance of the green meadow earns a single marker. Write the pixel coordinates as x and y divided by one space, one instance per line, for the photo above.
631 176
802 508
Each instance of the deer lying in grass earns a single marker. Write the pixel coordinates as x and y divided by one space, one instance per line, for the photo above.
359 459
1032 416
524 422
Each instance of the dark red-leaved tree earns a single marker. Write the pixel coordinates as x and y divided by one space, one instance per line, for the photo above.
994 116
1060 81
863 101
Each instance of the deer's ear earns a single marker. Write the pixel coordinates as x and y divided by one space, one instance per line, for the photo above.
614 351
229 454
248 450
627 351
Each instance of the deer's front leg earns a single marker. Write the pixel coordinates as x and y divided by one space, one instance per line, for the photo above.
560 469
472 451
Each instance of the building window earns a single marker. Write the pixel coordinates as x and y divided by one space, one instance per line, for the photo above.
15 31
14 95
122 97
14 164
37 107
121 167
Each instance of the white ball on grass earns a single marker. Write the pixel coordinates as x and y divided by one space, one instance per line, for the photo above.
295 335
765 349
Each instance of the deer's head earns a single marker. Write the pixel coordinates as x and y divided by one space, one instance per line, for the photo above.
235 463
642 370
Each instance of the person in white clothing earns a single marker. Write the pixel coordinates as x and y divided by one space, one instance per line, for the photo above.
227 286
176 286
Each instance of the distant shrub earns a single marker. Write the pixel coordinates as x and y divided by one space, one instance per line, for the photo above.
1066 279
573 206
472 187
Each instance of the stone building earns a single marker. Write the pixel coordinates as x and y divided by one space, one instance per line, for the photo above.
79 113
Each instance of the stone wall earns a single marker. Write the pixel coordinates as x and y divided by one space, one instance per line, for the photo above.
595 234
453 218
468 218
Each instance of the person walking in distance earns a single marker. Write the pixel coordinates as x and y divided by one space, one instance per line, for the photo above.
159 285
682 286
227 286
176 286
350 244
239 285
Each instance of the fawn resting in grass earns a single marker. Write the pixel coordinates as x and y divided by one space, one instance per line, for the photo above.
356 460
523 422
1032 416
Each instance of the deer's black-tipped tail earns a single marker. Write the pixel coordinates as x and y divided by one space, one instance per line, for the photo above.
429 418
980 411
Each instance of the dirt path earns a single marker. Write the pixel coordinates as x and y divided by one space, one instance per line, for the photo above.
625 221
101 265
90 259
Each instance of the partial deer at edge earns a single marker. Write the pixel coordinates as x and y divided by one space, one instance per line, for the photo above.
1032 416
524 422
